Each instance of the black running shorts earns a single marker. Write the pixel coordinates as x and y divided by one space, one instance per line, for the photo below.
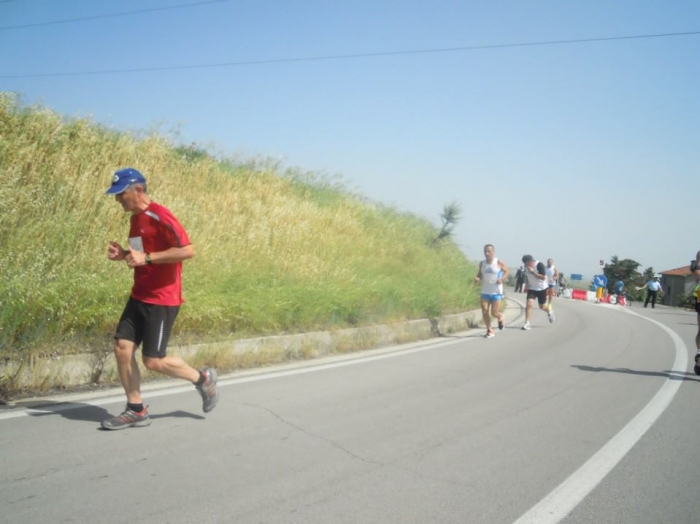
148 324
540 295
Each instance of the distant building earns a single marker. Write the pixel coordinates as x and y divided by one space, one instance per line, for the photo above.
676 283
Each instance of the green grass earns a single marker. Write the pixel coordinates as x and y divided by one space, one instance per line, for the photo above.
277 251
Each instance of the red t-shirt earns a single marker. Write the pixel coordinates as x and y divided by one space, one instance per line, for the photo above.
151 231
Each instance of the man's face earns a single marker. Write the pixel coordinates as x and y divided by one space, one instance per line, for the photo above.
550 262
530 264
128 199
488 252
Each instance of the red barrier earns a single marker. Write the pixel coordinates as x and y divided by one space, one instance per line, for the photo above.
579 294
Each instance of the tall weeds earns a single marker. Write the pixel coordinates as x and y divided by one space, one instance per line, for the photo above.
276 252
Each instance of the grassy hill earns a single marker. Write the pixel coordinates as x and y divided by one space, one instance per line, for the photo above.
276 251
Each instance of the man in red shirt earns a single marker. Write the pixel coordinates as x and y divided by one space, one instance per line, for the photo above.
157 246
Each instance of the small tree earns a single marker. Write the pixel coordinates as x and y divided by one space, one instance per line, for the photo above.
625 270
451 214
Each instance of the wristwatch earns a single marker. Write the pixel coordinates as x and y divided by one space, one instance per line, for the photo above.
148 259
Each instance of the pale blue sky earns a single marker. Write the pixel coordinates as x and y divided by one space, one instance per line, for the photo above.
575 151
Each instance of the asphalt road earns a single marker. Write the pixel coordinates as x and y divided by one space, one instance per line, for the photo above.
592 419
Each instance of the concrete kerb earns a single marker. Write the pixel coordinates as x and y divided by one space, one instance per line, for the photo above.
73 371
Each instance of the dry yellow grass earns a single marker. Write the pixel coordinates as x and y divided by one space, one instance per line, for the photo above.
274 254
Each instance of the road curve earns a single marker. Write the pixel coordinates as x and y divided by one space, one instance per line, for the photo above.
589 419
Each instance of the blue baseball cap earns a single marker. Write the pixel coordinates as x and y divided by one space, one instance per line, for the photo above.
123 179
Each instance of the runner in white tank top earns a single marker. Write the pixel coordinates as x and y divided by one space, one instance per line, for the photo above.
537 289
552 278
492 273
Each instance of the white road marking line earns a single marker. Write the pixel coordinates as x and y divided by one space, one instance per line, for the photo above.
71 402
565 497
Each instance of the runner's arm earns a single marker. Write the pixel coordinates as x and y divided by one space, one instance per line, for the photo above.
171 255
506 271
541 272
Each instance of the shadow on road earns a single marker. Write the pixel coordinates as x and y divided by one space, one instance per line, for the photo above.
179 414
673 375
464 337
482 331
88 413
70 411
679 314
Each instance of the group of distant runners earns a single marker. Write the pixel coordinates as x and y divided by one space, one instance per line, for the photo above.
541 282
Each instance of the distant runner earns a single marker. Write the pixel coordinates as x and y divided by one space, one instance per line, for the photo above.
552 278
537 289
492 273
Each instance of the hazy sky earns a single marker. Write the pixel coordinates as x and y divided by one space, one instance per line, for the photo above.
576 151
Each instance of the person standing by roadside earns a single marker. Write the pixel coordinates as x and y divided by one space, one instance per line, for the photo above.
537 289
157 246
492 273
519 279
653 287
552 278
619 291
600 283
695 269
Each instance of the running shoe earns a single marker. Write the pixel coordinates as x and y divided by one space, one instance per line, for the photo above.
550 314
500 323
526 326
489 334
697 364
128 419
208 390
